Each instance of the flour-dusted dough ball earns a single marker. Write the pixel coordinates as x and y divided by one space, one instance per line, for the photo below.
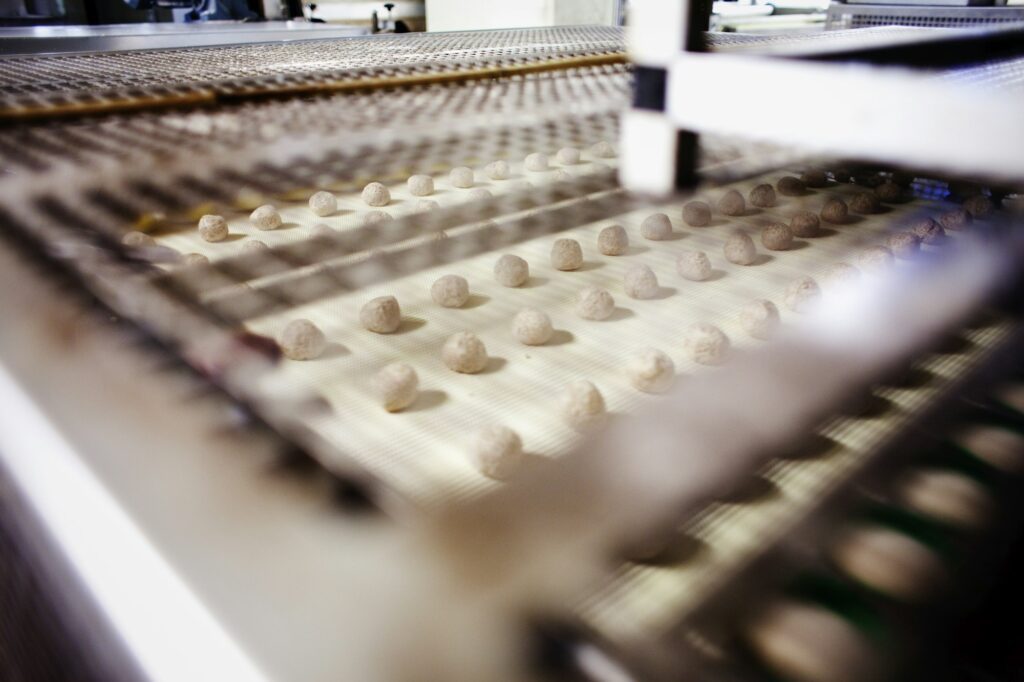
265 217
135 239
839 274
802 295
376 194
613 241
1000 447
602 150
465 353
193 259
706 344
582 406
697 213
302 340
956 219
497 452
450 291
562 175
213 228
566 254
424 205
777 237
864 203
532 327
254 245
479 194
640 282
890 562
763 196
323 203
805 224
536 162
979 205
382 314
420 185
650 370
835 211
376 216
947 496
396 386
497 170
732 204
739 248
760 319
875 259
568 156
594 303
511 271
656 227
693 265
461 177
789 186
904 245
889 192
321 230
929 232
814 177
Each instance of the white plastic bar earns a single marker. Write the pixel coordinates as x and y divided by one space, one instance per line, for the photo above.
656 30
648 157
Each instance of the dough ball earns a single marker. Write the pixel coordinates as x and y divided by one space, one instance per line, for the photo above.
805 224
532 327
192 259
536 162
889 192
497 170
265 217
814 177
640 282
839 274
566 254
450 291
396 386
835 211
511 271
302 340
904 245
732 204
420 185
739 248
760 319
613 241
582 406
424 205
376 217
320 230
763 196
1001 448
568 156
594 303
381 315
697 214
603 150
656 227
465 353
561 175
842 175
136 239
979 205
213 228
323 204
956 219
949 497
864 203
376 194
929 232
890 562
875 259
789 186
497 452
693 265
254 245
706 344
777 237
479 194
801 295
461 177
651 371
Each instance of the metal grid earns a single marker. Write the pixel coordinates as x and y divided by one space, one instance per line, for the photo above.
842 16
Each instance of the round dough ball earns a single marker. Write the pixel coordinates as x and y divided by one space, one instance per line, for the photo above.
450 291
706 344
613 241
732 204
801 295
956 219
497 452
760 319
376 194
254 245
839 274
949 497
875 259
651 371
835 211
603 150
890 562
561 175
323 204
763 196
640 282
864 203
566 254
532 327
497 170
814 177
136 239
568 156
376 216
697 214
536 162
582 406
739 248
420 185
424 205
889 192
904 245
396 386
461 177
979 205
656 227
789 186
213 228
511 271
594 303
929 232
302 340
265 217
465 353
693 265
805 224
382 315
1001 448
777 237
191 259
320 230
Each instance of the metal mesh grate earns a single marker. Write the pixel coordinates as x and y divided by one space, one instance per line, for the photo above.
843 16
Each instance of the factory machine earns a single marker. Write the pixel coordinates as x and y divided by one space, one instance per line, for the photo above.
765 421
